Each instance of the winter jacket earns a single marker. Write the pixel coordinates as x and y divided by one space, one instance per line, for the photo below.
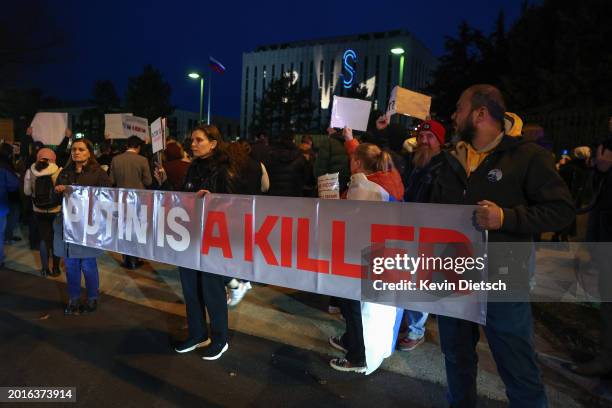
361 188
212 175
332 158
519 177
8 183
92 175
391 181
260 151
30 182
420 181
252 176
287 170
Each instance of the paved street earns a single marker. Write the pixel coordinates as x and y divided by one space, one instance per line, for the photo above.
279 339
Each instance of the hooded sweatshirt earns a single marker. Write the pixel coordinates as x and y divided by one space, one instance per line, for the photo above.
30 181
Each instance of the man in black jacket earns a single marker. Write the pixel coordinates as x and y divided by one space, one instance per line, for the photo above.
519 194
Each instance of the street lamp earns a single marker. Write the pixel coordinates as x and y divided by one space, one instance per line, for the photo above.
399 51
196 75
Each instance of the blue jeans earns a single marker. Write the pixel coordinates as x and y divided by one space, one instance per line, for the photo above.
416 323
2 229
89 267
509 331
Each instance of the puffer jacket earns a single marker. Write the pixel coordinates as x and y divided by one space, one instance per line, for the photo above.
30 182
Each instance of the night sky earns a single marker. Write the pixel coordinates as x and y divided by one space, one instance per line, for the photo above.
115 39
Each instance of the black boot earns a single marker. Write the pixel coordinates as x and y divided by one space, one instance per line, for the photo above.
72 308
44 272
56 271
90 307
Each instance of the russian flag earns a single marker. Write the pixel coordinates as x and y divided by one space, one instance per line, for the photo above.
216 65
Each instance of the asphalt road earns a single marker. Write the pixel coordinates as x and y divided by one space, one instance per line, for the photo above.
122 356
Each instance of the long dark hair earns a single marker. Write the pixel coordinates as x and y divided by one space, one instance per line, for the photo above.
220 155
91 162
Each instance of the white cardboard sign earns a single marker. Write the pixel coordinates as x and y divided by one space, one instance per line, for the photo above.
124 125
158 134
351 113
49 127
409 103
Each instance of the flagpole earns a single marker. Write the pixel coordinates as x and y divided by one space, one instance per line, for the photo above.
209 98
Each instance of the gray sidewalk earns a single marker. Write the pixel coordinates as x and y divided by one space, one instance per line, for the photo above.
293 318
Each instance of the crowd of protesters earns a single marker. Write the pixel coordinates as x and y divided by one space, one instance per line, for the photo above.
519 190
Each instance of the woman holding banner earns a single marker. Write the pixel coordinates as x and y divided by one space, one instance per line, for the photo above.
82 169
371 329
211 171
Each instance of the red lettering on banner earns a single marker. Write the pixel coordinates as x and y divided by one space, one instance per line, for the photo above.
380 233
303 260
338 266
428 237
286 241
261 238
222 240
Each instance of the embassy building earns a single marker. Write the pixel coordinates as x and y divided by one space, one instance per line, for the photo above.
337 66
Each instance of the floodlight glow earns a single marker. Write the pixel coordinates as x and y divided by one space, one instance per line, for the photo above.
397 51
193 75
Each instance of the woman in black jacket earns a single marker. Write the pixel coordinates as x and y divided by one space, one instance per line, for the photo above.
81 170
211 171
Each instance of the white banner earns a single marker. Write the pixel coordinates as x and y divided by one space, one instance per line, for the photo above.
321 246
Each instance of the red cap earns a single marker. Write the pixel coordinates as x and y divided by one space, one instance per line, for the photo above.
435 127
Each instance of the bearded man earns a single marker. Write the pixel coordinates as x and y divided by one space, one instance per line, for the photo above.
518 194
425 161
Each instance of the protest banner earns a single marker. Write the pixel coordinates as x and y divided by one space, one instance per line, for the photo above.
49 128
351 113
314 245
410 103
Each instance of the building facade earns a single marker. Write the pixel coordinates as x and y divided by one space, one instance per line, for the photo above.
334 66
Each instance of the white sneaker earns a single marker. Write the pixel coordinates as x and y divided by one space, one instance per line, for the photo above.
236 295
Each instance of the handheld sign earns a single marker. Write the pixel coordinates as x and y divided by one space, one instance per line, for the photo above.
133 125
408 103
124 125
351 113
49 128
113 125
158 138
